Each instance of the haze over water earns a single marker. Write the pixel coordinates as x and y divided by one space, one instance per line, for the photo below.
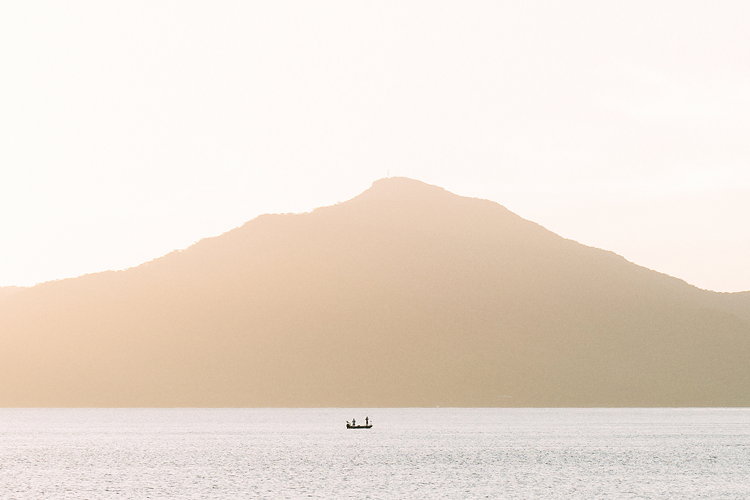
409 453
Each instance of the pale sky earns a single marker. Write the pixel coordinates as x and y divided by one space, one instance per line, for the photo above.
130 129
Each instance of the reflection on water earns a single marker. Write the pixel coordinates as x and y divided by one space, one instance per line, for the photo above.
409 453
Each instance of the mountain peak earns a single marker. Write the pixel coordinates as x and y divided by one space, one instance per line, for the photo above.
400 187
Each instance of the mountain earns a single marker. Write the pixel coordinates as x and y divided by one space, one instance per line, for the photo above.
406 295
9 290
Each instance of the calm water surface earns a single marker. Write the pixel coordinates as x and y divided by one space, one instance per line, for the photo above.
409 453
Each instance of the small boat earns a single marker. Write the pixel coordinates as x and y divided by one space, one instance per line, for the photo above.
350 426
354 425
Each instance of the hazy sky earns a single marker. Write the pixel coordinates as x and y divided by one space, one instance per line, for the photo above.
129 129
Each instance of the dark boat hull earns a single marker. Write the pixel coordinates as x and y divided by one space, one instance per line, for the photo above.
350 426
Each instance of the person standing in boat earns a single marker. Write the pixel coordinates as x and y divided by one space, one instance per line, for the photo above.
367 420
354 422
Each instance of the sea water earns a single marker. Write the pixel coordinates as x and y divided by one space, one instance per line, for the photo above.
408 454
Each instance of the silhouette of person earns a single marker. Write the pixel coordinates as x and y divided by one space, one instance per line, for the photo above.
367 420
354 422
